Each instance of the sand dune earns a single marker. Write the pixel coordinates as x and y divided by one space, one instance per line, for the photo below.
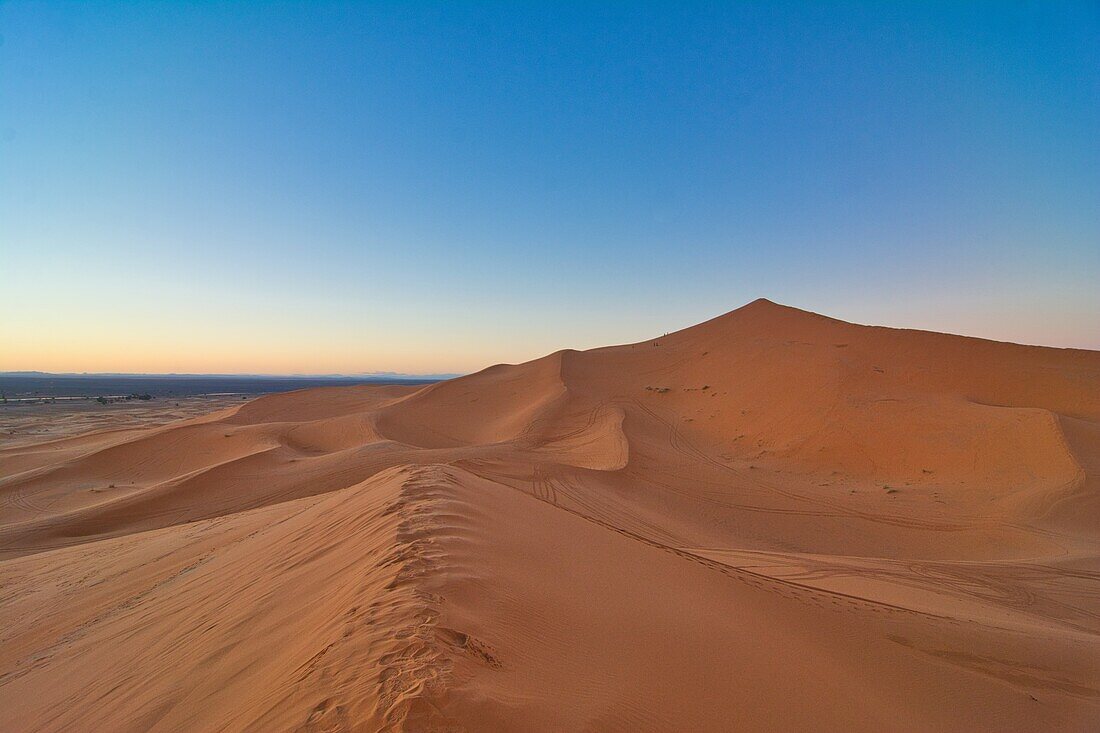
770 521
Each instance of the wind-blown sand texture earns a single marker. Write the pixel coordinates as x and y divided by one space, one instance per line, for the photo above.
772 521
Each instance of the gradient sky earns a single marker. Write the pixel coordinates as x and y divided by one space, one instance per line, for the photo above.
326 187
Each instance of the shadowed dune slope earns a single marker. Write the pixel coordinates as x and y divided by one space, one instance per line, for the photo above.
770 521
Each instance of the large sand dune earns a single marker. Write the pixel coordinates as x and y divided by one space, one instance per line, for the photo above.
770 521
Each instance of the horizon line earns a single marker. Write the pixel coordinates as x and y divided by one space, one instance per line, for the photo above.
243 375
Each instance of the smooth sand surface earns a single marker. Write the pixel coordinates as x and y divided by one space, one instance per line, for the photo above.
772 521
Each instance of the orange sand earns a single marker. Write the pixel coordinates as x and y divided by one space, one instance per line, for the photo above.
770 521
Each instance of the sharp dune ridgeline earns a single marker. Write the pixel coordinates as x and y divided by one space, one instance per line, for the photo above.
770 521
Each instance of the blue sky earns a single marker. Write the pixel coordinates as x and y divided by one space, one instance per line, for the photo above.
320 187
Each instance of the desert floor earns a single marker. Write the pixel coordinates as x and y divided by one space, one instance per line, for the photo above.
42 420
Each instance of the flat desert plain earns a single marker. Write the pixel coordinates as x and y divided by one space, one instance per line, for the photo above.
772 521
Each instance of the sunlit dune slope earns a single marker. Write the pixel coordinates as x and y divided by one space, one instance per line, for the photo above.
770 521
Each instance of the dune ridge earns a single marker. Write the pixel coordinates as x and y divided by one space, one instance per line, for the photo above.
773 520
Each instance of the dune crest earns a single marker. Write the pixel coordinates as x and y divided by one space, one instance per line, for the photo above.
773 520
